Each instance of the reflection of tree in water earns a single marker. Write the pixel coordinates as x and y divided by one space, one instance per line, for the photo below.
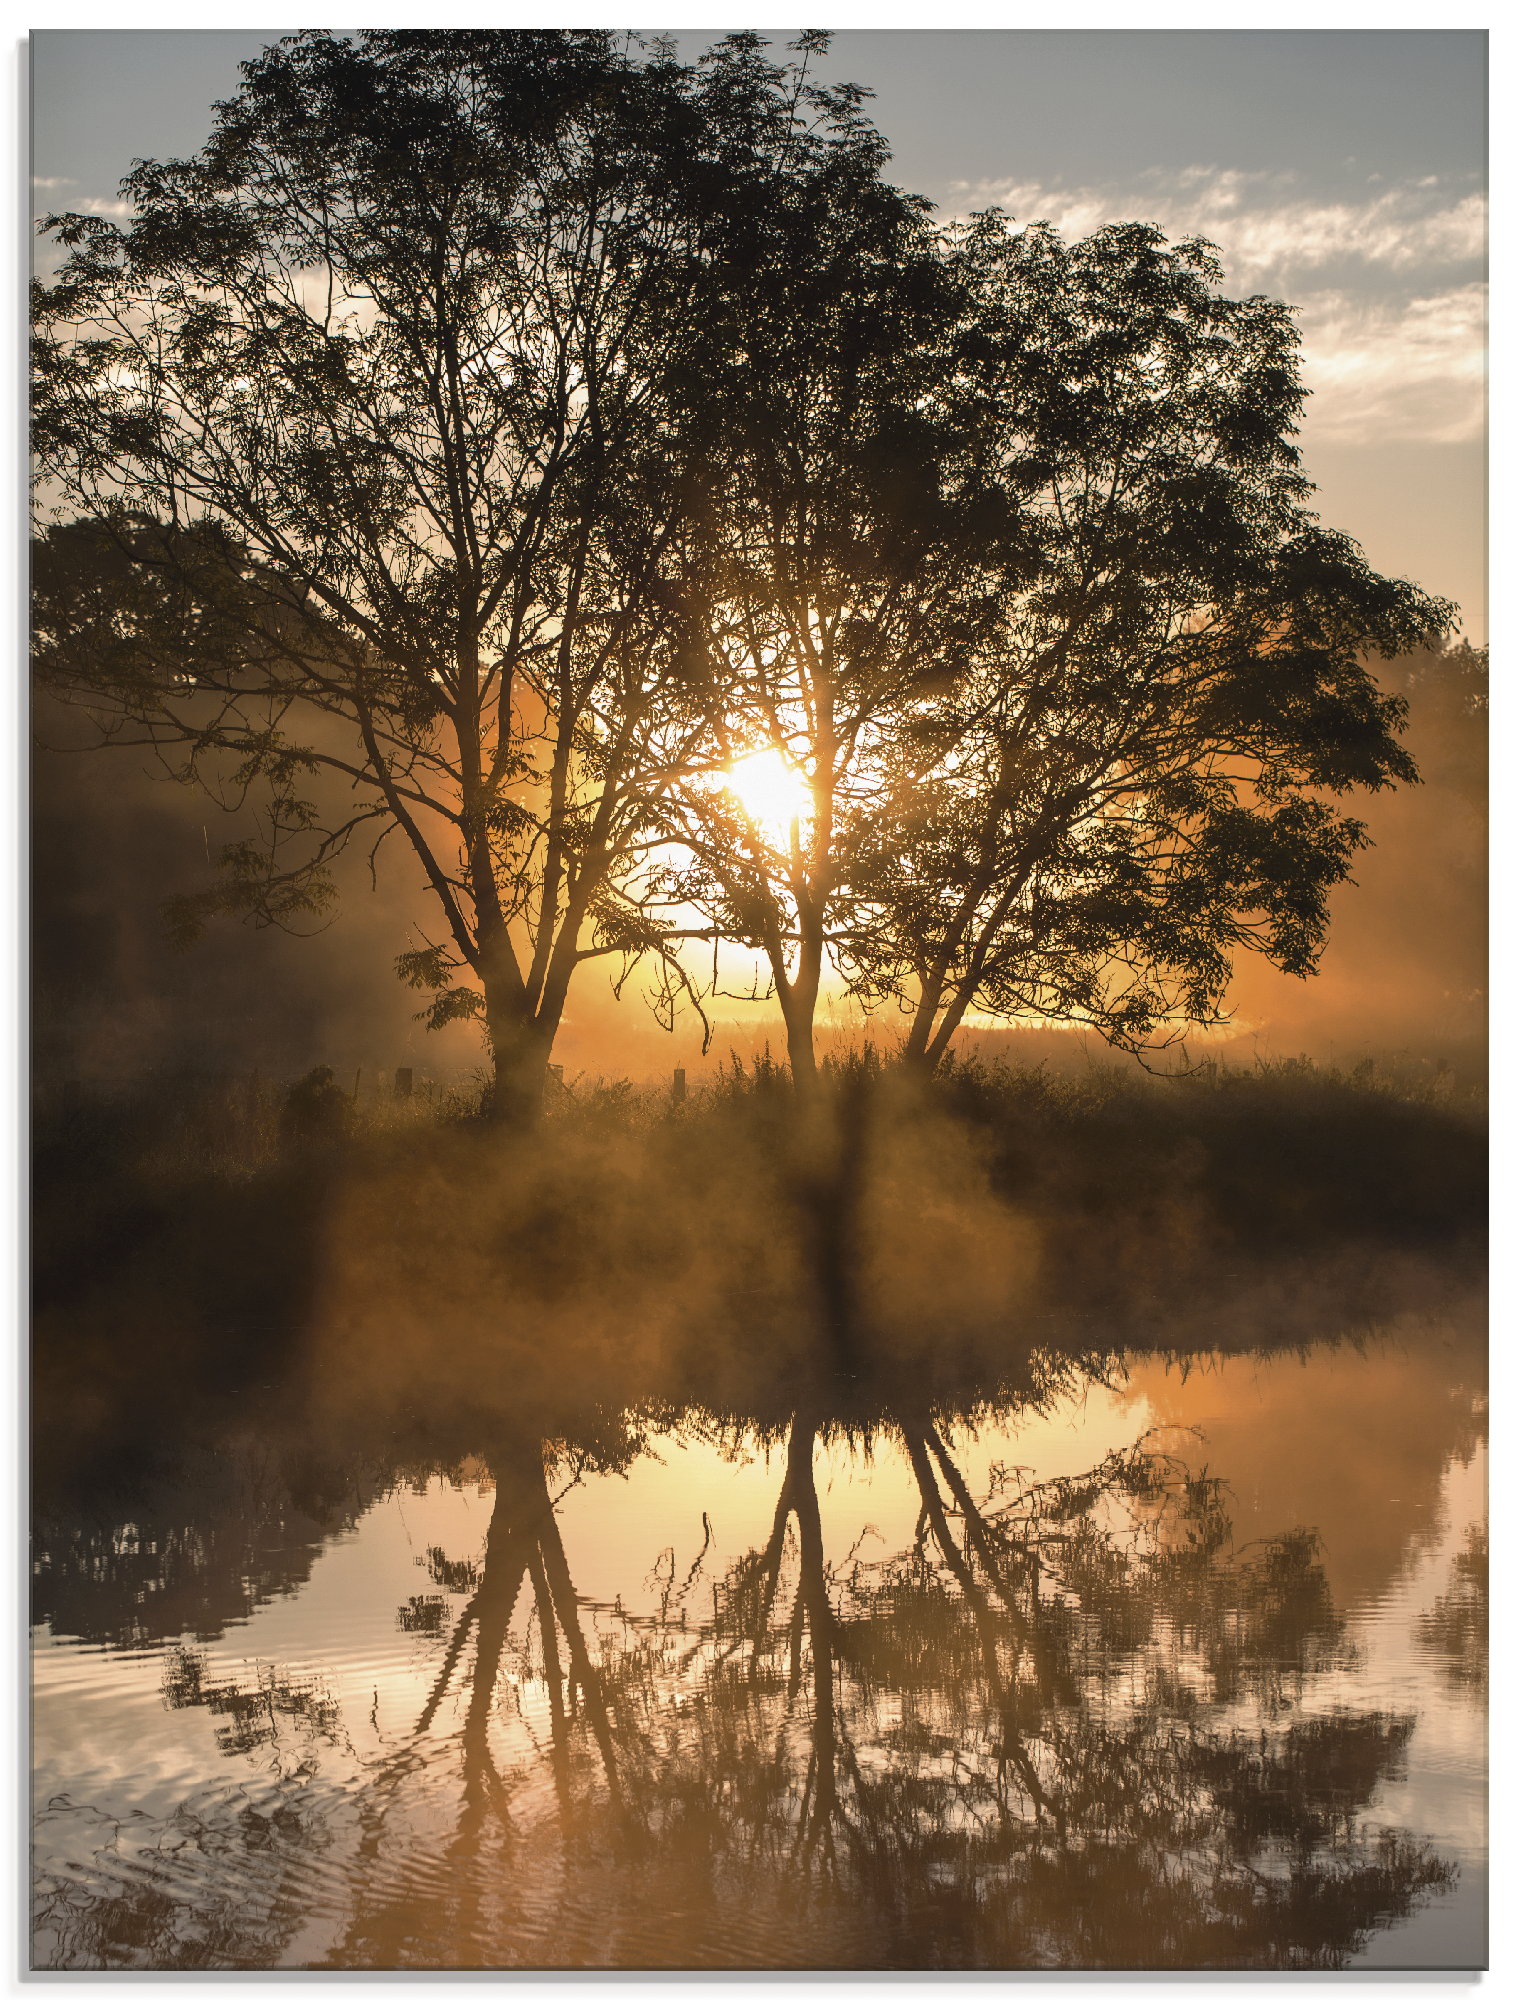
1061 1729
225 1880
523 1565
257 1706
1064 1727
229 1529
219 1884
1456 1627
1020 1742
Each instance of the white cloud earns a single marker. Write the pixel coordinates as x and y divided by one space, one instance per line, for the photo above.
53 181
1381 371
1391 311
84 204
1264 226
1306 236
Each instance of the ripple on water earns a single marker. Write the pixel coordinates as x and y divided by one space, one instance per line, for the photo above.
318 1784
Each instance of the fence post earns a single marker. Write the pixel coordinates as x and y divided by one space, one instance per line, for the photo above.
403 1083
679 1090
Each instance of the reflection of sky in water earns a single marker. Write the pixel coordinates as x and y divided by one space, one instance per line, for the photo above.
118 1770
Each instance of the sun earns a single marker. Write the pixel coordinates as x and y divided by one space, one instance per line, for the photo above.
771 790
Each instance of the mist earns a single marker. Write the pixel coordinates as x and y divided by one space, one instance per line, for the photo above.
1403 973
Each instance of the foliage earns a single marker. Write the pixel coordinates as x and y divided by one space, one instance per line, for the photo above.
842 561
365 441
1137 777
493 436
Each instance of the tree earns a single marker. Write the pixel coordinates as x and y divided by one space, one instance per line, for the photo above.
362 435
842 564
1137 778
524 432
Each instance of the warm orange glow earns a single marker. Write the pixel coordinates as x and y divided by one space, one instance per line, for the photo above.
772 790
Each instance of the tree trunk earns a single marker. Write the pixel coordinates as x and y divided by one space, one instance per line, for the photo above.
914 1050
520 1074
800 1009
520 1045
948 1027
798 1003
826 1175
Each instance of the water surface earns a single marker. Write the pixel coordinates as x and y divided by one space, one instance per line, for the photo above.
1174 1665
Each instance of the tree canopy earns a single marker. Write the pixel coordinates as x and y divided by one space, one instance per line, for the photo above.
1134 778
507 433
380 390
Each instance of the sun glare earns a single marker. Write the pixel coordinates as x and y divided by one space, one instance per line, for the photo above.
771 790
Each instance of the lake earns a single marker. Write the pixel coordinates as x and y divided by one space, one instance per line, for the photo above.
1148 1661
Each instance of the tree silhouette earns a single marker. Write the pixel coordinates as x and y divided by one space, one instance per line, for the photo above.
843 559
363 442
494 436
1137 778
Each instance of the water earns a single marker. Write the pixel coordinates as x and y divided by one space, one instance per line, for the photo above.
1171 1665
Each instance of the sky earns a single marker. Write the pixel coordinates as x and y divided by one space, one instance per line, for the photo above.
1341 170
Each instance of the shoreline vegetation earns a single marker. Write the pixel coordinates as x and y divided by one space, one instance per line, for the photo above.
199 1259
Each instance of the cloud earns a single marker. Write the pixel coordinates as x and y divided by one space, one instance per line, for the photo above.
1263 224
1387 286
1307 236
84 204
1383 371
53 181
